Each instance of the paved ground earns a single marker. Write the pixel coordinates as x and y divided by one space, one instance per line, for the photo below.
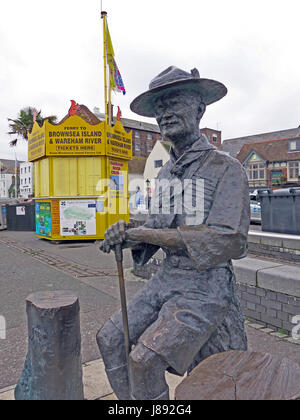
28 264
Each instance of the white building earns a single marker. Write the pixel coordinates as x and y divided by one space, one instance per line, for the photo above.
26 179
5 183
159 156
7 177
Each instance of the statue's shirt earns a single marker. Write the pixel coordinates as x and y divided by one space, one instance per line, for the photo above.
210 210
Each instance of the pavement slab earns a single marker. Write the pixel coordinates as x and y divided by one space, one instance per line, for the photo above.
95 383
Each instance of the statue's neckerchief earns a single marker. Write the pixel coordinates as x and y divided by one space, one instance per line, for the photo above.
189 156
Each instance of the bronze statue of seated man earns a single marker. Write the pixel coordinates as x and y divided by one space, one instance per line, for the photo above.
189 309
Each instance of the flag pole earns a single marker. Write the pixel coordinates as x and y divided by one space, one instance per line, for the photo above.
103 16
109 102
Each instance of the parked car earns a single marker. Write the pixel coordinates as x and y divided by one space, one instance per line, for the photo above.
255 208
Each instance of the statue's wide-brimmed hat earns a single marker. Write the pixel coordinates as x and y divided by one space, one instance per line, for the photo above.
175 79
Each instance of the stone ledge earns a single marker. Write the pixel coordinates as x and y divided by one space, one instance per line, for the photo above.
278 240
281 278
246 269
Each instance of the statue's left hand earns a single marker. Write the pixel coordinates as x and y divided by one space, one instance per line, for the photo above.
114 235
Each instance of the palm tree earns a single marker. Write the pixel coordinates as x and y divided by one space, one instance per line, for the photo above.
24 123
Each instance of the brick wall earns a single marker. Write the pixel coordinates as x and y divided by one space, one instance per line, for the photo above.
145 144
273 251
213 136
274 310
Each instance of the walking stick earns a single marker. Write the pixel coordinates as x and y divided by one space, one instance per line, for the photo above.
119 260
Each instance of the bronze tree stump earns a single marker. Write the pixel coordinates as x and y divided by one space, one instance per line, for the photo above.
242 375
52 368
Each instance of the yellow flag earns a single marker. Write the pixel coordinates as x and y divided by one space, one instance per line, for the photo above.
110 49
110 58
114 73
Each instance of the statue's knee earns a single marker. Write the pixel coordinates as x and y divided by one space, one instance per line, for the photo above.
142 357
109 336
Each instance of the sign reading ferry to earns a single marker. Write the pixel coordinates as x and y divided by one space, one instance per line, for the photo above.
75 137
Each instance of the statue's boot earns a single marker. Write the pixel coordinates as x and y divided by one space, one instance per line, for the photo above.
164 396
148 380
111 345
118 379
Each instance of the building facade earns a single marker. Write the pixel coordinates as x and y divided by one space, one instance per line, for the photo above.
213 136
26 179
234 146
7 178
156 160
272 164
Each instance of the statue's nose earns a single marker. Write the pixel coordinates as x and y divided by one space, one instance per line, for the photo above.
167 114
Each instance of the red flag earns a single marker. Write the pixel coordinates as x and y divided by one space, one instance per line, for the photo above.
119 114
74 108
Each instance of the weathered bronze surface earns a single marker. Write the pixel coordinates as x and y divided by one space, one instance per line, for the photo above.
242 375
189 310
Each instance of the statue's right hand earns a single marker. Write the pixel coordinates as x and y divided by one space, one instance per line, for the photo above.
114 235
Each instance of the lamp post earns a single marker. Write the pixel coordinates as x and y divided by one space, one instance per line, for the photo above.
16 180
148 193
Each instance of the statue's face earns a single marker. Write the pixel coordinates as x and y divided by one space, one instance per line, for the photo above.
177 114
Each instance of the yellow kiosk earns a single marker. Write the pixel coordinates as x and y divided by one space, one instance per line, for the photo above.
80 176
81 166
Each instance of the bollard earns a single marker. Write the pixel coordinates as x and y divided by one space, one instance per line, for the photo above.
52 369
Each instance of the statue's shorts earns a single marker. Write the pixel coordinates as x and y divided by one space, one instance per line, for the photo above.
185 316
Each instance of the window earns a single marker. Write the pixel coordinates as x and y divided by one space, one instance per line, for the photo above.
149 147
29 180
28 168
256 171
25 170
137 147
136 134
25 182
149 136
158 163
214 138
21 170
294 145
293 170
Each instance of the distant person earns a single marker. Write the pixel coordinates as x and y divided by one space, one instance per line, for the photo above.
138 197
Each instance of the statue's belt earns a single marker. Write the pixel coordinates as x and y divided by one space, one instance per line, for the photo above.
185 263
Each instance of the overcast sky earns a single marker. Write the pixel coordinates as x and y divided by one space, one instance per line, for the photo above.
51 52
